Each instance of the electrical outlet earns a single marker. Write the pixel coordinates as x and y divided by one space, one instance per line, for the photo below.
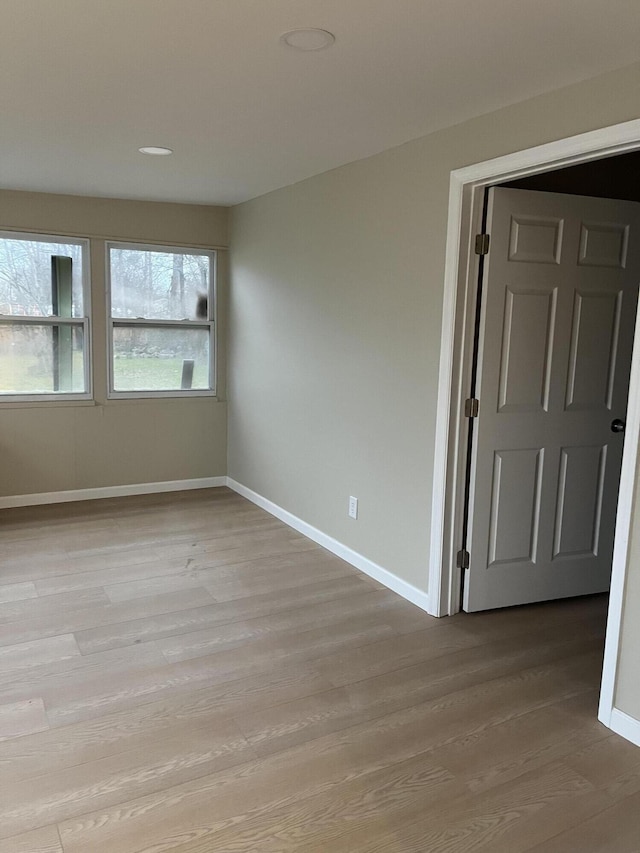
353 507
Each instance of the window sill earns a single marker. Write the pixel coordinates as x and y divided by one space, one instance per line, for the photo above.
159 395
44 404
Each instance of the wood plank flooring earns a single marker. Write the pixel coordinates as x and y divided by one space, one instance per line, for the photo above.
185 674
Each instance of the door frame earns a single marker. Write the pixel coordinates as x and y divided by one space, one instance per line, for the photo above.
466 193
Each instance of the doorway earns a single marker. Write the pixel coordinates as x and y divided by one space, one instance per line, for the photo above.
465 213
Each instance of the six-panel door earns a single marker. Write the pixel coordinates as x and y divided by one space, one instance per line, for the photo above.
558 313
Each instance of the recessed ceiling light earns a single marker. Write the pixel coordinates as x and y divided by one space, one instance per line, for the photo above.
308 39
155 149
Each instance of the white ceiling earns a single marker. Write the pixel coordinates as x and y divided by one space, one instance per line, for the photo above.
85 83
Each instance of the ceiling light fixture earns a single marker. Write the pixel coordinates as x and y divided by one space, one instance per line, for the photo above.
155 149
308 39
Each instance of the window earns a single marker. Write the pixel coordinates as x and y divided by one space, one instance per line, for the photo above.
161 313
44 318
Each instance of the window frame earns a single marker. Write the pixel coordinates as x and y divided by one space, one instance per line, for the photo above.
83 322
210 323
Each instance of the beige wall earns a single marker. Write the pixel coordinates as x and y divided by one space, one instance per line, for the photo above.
58 446
336 302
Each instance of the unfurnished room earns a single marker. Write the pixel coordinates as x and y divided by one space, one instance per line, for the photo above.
319 426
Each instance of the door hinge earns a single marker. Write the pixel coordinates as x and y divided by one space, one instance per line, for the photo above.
471 407
482 244
462 559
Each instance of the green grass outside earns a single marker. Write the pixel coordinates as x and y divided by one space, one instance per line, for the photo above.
28 375
156 374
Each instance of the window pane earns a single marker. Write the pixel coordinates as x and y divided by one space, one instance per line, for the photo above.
26 282
159 285
41 359
160 359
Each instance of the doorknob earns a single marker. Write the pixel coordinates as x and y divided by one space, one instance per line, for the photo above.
617 425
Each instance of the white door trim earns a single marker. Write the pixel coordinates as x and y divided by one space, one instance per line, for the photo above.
624 519
465 201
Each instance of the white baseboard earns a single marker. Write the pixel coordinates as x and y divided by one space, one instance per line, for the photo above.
111 492
625 726
384 576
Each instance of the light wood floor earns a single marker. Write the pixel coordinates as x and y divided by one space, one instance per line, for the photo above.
184 673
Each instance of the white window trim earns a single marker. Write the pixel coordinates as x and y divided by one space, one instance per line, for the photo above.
54 397
209 323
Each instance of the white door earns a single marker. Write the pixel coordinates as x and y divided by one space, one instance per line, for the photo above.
556 331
